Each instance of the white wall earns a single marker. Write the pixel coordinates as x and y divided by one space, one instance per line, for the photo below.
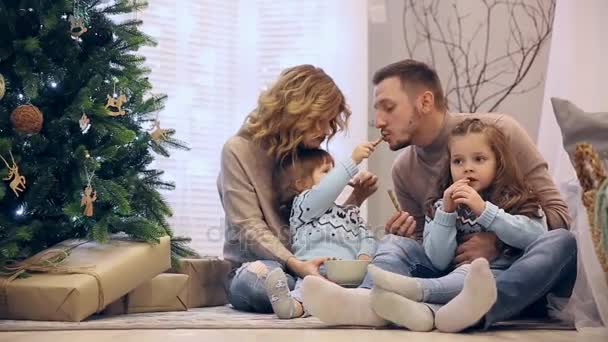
386 45
577 71
345 58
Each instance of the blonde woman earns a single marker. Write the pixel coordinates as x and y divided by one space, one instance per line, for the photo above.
303 108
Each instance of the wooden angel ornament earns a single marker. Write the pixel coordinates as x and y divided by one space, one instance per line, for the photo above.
88 198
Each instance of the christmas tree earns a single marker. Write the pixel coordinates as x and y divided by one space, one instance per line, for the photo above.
75 127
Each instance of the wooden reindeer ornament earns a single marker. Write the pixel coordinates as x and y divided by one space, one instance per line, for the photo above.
17 183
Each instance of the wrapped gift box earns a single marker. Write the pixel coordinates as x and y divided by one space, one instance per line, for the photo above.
91 277
165 292
206 283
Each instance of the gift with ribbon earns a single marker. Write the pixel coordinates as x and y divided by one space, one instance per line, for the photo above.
77 278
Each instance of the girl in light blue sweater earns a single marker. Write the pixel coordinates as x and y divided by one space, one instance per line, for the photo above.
309 184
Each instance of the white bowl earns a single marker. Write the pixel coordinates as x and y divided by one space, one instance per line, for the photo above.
346 272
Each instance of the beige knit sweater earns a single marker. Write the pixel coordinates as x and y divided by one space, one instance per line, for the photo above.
254 229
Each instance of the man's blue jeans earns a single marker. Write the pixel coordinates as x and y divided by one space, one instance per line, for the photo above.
547 265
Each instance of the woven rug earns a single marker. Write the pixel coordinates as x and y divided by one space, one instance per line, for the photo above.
221 317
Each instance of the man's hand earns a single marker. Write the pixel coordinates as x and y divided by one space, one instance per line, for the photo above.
305 268
402 224
364 185
477 245
364 257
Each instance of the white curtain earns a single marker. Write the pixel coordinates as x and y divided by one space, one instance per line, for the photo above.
577 72
212 60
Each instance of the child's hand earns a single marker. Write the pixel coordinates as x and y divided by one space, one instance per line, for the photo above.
449 205
468 196
364 185
364 257
363 151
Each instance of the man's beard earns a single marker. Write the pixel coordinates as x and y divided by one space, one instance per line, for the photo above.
412 126
400 144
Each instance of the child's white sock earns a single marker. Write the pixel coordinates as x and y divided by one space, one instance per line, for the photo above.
402 311
283 304
405 286
474 301
334 304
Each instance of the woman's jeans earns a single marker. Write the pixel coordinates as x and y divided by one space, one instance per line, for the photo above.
246 290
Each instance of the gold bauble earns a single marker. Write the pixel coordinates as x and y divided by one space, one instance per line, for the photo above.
2 87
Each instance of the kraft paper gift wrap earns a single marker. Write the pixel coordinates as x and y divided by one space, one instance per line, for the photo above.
206 283
165 292
92 276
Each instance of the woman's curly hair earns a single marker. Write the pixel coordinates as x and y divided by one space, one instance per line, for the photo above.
297 102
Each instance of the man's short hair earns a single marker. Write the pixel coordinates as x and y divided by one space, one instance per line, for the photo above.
414 75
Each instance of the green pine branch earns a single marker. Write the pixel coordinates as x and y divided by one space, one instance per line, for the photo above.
37 50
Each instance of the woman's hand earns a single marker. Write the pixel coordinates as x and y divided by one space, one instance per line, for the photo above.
364 257
305 268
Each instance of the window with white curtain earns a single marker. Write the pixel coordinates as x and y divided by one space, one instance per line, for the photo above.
212 60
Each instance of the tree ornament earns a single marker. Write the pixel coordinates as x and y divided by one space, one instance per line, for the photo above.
2 87
89 196
78 20
85 123
115 103
27 119
158 134
17 183
77 27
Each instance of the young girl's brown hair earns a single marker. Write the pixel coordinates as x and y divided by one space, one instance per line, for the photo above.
299 166
508 190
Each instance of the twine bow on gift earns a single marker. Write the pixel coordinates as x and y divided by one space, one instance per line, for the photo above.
44 261
48 261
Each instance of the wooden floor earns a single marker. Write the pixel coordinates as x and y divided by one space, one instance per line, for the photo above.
333 335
